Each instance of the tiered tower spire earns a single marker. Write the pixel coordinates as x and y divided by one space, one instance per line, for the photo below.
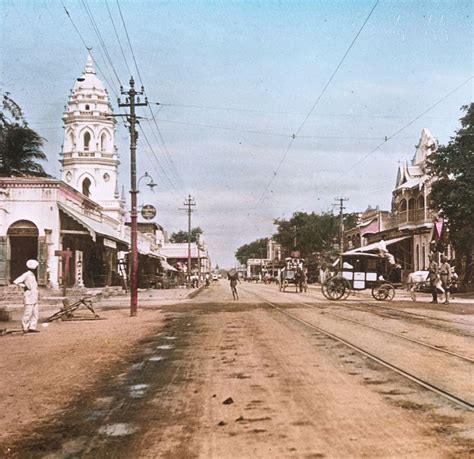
89 157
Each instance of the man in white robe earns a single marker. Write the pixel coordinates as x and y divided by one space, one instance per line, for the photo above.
30 297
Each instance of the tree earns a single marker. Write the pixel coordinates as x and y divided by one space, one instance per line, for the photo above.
307 233
182 236
452 194
20 146
255 249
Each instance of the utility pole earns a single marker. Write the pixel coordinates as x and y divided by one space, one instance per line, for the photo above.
341 223
131 103
189 203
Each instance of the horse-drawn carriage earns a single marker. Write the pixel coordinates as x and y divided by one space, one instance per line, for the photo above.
360 271
293 274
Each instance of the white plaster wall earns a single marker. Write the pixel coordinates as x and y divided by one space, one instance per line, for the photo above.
38 205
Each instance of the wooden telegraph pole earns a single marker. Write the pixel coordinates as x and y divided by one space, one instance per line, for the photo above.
189 203
131 103
341 223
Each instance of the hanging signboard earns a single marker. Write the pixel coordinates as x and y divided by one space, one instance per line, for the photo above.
109 243
148 212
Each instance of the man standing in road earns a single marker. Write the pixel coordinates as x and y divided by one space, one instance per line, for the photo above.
233 277
445 275
30 297
433 277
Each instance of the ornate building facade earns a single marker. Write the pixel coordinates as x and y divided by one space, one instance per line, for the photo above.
408 228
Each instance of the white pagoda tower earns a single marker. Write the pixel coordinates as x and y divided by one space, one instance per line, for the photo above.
89 157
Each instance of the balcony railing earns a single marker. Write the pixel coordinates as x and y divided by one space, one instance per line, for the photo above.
88 154
411 216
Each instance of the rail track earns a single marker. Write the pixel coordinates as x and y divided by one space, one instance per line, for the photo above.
445 393
376 306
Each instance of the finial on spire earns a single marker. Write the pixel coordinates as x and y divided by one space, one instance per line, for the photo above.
89 64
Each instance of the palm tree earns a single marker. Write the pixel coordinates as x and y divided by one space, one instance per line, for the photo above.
20 146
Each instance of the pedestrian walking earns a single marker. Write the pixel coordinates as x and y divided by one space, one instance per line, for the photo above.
233 277
29 284
445 274
433 277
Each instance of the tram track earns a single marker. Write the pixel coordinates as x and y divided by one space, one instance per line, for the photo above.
400 313
397 311
445 393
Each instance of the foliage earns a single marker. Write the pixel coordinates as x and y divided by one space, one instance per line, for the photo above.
255 249
182 236
311 233
20 146
452 168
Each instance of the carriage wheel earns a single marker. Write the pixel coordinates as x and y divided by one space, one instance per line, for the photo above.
384 292
335 288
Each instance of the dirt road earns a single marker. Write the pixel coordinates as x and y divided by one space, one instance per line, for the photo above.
216 378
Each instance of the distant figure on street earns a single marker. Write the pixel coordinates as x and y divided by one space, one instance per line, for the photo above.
233 277
433 277
28 282
445 274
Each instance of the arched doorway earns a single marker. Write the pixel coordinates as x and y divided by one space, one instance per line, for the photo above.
23 239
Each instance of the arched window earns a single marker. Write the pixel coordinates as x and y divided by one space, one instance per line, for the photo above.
87 141
88 107
86 187
71 141
103 142
403 205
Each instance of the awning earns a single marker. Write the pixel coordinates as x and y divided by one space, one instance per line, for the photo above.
93 226
375 245
165 265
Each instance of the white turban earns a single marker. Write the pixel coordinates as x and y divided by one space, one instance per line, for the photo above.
32 264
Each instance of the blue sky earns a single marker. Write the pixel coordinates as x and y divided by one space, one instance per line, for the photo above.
236 80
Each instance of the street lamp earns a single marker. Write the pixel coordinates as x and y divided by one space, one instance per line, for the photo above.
151 184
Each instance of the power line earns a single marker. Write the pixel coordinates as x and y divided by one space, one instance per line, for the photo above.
89 50
101 40
270 112
167 155
165 149
387 139
163 171
117 36
316 102
225 128
129 42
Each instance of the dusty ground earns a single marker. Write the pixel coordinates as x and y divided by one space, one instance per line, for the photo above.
41 373
211 378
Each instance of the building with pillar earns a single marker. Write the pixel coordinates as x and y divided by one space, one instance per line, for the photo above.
408 230
82 214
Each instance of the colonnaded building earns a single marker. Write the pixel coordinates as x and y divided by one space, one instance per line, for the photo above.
84 213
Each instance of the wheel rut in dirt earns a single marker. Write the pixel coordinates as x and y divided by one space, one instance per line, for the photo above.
102 421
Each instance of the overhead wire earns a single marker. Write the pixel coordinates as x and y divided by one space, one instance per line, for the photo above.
394 134
322 115
101 40
117 37
129 42
300 127
150 147
89 50
165 149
